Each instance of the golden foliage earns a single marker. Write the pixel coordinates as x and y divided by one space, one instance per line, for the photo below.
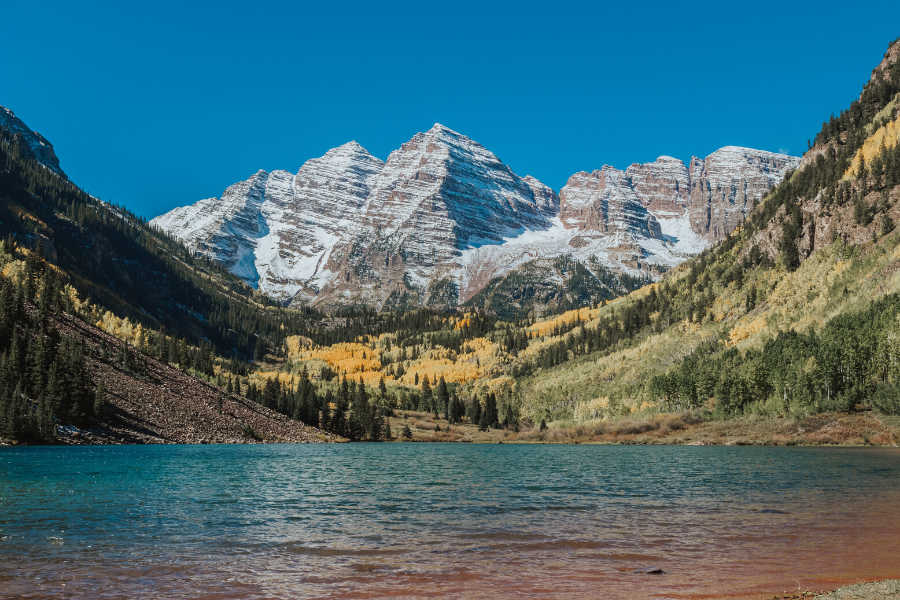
592 410
348 357
572 316
742 331
885 137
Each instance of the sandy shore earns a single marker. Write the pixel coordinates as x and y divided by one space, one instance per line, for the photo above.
879 590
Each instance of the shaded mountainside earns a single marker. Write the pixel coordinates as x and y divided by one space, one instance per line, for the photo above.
443 218
67 253
159 404
120 262
65 380
30 142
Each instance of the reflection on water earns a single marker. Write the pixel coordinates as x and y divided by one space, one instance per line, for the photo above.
459 521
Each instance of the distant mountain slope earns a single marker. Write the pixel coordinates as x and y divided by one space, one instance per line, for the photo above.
33 143
792 314
443 217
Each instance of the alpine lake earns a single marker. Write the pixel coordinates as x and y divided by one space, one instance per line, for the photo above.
444 520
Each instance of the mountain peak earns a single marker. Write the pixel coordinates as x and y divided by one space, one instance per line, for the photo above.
351 146
36 144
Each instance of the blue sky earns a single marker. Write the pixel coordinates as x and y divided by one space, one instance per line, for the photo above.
163 104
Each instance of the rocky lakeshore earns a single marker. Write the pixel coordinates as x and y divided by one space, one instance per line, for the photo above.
873 590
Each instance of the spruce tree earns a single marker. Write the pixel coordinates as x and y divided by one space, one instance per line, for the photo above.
442 397
453 411
483 421
375 424
382 390
490 410
426 389
359 416
325 419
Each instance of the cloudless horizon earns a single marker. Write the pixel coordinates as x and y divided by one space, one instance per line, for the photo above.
161 105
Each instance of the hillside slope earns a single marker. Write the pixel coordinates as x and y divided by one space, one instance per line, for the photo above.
794 313
67 255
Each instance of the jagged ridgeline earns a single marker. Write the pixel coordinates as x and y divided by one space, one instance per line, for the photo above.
794 313
445 223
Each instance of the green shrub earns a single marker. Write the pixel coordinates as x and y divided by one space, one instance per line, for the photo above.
887 399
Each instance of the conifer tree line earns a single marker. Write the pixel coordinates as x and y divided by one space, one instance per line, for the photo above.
43 376
853 362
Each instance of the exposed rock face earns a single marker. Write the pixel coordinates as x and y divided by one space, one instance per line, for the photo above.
41 150
274 229
443 216
605 202
716 193
724 186
664 186
438 195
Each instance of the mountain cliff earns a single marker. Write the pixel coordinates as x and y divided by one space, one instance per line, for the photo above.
274 229
443 217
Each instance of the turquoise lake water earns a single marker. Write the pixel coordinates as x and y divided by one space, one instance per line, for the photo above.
443 520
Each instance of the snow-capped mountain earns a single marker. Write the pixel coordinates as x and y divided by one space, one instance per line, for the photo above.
443 216
438 195
274 229
40 149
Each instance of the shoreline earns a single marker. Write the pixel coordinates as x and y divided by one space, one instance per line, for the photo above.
855 430
885 589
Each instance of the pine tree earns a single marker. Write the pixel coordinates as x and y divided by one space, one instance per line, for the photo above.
426 389
442 397
271 393
490 410
325 420
483 421
375 424
359 416
453 411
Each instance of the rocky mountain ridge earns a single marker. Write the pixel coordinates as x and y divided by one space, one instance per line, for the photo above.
443 216
33 142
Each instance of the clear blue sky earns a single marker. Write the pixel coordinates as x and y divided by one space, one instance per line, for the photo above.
164 103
